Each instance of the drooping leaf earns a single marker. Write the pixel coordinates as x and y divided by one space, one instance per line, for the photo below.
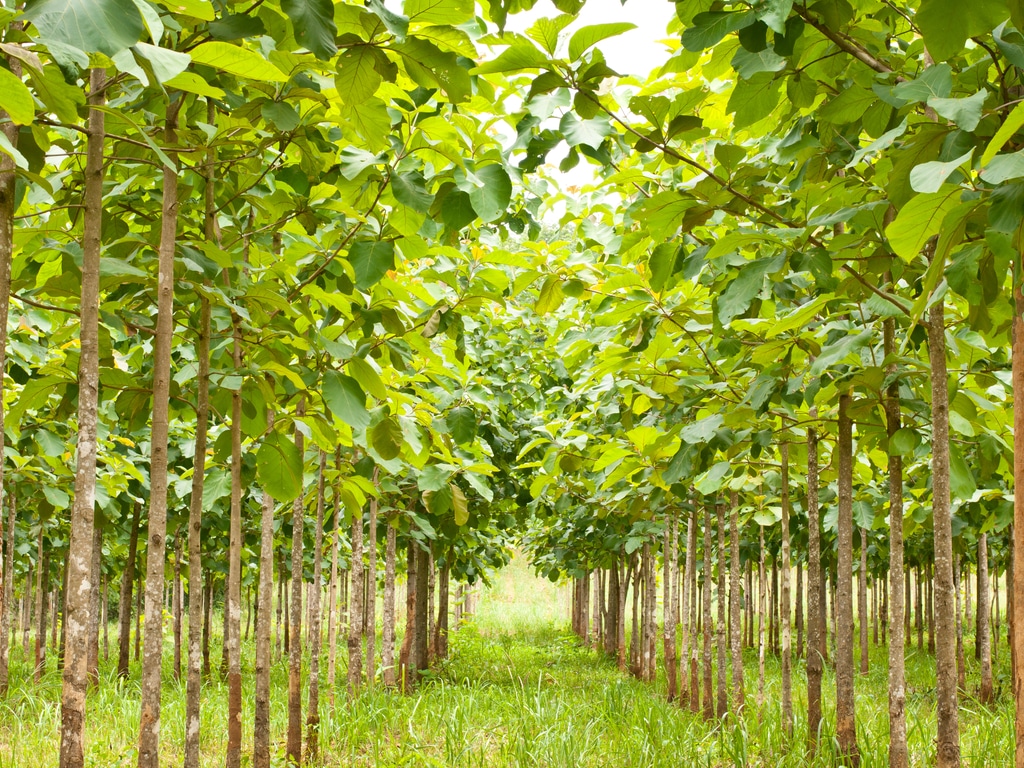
386 438
516 57
589 36
491 198
962 484
1010 126
279 467
357 78
453 12
708 28
919 220
736 298
946 24
410 190
433 477
237 61
16 99
457 210
966 112
702 430
107 26
459 504
904 441
368 378
313 21
462 424
346 399
929 177
236 27
712 480
1003 168
590 133
754 99
371 260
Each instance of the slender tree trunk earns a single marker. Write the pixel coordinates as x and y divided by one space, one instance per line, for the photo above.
691 586
669 618
104 622
8 612
784 597
919 609
929 586
79 567
709 691
815 660
207 621
261 720
961 662
948 752
799 601
149 724
94 612
722 693
355 629
984 642
388 630
333 617
735 587
407 661
846 728
294 744
176 610
761 599
650 596
313 716
441 628
684 615
124 608
138 617
371 591
282 608
420 638
995 617
197 608
862 601
42 591
26 624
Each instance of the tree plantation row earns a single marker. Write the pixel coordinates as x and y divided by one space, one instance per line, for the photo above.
304 279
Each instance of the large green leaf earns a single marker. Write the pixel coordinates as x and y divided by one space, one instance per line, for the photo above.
754 99
1010 126
279 467
237 61
1003 168
590 133
346 399
462 424
586 37
736 298
492 196
929 177
107 26
453 12
709 28
314 25
410 190
966 112
386 438
712 480
457 210
946 24
371 259
962 484
367 377
459 504
919 220
702 430
16 99
357 78
518 56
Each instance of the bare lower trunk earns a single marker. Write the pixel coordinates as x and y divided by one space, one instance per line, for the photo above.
684 616
313 716
815 662
650 597
371 591
723 694
948 751
961 662
620 640
261 723
97 602
388 630
207 621
862 601
42 591
735 588
407 658
8 613
233 588
846 728
125 603
798 600
333 619
80 546
691 586
784 599
985 693
355 630
294 744
419 663
441 627
669 618
176 603
760 623
709 693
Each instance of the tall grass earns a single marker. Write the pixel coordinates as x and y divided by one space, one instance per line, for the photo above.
517 691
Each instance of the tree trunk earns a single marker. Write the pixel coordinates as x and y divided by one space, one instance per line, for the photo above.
197 609
961 662
138 618
684 616
8 612
371 591
407 661
635 640
669 617
388 628
647 648
798 600
944 628
929 611
79 548
355 629
984 641
420 638
441 627
261 719
846 728
333 618
620 641
124 606
313 716
709 693
784 599
176 610
94 612
691 586
207 621
26 624
735 587
722 693
42 591
815 589
862 601
294 744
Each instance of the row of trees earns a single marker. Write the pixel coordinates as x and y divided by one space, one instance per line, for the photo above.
234 241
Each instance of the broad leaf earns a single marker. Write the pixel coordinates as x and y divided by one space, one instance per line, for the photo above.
371 260
314 25
587 37
386 438
919 220
492 197
709 28
459 504
279 467
346 399
462 424
929 177
16 99
107 26
237 61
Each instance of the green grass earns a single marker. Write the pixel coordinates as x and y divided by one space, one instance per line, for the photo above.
518 690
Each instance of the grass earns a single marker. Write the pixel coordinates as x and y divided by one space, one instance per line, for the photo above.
518 690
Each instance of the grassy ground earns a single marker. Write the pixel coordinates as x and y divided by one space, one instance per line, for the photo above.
517 691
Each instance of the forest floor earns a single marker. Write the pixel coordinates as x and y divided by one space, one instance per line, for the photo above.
518 690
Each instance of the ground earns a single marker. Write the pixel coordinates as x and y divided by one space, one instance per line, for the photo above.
518 690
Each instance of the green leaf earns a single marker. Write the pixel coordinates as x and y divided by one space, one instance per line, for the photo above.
193 83
590 133
711 481
410 190
935 82
961 479
546 30
1010 126
479 484
708 28
386 438
459 504
59 97
107 26
313 21
702 430
736 298
462 425
919 220
966 113
754 99
371 260
279 467
774 13
395 23
236 27
929 177
586 37
661 265
550 297
518 56
357 78
491 199
946 24
16 99
166 64
368 378
453 12
346 399
848 106
1003 168
457 210
197 9
237 61
433 477
280 114
904 442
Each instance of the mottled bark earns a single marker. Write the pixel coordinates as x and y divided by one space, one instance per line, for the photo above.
313 715
669 617
371 590
80 545
798 599
97 602
846 726
722 691
862 601
261 720
761 600
984 639
176 597
407 661
388 630
42 592
419 663
125 602
735 602
8 612
784 599
293 750
948 726
441 627
355 629
815 661
691 587
709 692
333 619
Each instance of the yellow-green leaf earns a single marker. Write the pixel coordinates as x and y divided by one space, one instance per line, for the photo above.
238 61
